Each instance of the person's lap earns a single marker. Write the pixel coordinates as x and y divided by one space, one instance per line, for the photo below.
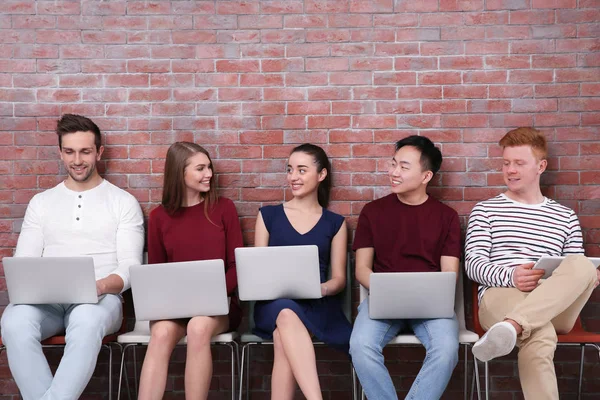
498 302
53 319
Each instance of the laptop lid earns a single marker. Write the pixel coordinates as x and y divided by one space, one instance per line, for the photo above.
50 280
409 295
278 272
179 290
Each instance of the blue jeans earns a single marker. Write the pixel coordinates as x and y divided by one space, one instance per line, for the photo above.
369 337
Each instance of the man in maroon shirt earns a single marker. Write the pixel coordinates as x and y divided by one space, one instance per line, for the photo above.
406 231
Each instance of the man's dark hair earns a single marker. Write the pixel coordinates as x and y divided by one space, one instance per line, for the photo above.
431 156
71 123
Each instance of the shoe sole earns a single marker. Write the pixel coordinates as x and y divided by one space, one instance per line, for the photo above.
496 343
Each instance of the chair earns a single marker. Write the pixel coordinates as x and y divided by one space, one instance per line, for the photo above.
141 336
465 337
578 336
248 339
107 341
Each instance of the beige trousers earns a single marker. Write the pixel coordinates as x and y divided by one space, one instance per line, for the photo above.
550 308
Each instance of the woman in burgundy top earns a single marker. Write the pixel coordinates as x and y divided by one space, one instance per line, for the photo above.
192 223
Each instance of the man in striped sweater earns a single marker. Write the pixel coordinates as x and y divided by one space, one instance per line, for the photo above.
505 236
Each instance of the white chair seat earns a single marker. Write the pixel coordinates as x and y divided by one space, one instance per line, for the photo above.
405 339
464 336
251 338
141 335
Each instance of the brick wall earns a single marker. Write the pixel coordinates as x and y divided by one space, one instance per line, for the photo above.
250 79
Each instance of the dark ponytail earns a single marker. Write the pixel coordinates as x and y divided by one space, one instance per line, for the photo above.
322 162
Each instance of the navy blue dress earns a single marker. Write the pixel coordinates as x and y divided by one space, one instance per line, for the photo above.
323 317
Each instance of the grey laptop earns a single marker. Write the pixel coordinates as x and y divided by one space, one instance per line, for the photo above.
278 272
410 295
50 280
179 290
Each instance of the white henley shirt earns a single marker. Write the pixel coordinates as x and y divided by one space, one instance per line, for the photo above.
105 223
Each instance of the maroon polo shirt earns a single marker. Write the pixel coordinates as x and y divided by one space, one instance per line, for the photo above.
408 238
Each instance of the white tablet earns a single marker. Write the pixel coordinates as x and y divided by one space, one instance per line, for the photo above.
550 263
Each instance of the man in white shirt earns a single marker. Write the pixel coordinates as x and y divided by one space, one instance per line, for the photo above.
83 216
505 236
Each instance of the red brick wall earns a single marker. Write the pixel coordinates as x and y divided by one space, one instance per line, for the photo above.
249 79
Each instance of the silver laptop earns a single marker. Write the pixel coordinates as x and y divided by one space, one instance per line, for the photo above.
410 295
179 290
278 272
50 280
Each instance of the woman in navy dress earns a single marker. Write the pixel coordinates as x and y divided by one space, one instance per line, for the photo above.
304 220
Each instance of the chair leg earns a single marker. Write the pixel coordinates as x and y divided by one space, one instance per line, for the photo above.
581 371
232 371
110 361
121 369
476 372
594 345
135 373
248 372
466 372
242 364
487 381
354 393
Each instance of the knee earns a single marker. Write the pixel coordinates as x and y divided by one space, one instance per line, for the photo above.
286 318
584 269
199 331
362 349
541 343
86 330
277 344
15 328
163 334
444 352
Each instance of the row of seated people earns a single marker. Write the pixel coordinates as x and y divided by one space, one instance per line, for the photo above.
407 230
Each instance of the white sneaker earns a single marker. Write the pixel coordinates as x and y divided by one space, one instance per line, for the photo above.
499 341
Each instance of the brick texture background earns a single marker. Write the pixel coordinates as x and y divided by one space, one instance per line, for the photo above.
250 79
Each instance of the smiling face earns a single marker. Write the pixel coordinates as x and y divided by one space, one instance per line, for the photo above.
521 169
198 173
80 156
406 172
302 174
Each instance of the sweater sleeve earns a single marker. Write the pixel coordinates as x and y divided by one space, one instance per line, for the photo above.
130 239
574 242
31 238
233 240
156 248
478 248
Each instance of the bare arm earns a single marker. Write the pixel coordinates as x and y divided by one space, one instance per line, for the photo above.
450 264
261 234
364 265
339 255
111 284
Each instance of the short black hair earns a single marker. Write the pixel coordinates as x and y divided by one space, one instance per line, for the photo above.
71 123
431 156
